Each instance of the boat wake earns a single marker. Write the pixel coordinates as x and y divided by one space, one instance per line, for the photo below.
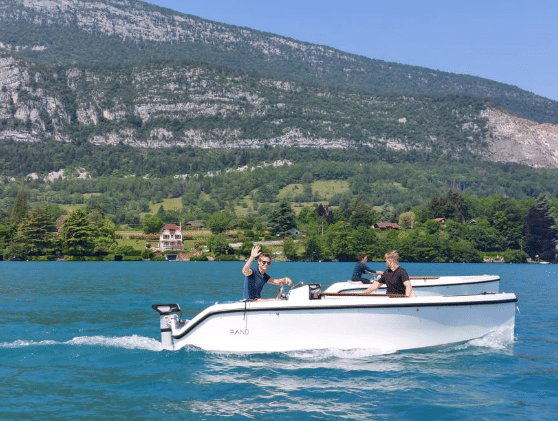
334 353
499 339
126 342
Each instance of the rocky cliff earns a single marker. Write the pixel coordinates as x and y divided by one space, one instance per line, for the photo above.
514 139
116 32
154 104
161 106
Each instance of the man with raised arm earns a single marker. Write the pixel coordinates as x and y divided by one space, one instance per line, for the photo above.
256 277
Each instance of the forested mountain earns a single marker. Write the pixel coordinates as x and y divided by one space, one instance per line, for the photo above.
117 32
111 108
110 71
79 78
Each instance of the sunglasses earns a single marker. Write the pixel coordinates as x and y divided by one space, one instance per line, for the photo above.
265 262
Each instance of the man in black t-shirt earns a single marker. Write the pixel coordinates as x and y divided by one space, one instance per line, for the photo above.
395 277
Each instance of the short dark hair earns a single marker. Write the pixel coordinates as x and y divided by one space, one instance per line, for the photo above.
361 256
265 255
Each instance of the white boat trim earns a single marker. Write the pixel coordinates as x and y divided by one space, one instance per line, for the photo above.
430 285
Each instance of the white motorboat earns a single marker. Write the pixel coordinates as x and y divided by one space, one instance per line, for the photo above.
432 285
309 319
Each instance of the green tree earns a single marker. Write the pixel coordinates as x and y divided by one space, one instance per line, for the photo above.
147 254
282 220
246 248
450 206
366 241
343 247
151 224
362 214
105 237
289 249
218 244
313 249
407 220
19 209
486 237
35 236
515 256
540 234
510 231
78 234
432 226
463 251
6 233
218 222
306 215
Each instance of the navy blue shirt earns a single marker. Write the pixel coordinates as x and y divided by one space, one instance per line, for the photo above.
254 284
360 268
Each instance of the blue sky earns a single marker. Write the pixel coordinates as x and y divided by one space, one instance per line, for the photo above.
511 41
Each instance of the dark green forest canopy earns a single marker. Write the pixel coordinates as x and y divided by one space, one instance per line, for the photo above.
380 176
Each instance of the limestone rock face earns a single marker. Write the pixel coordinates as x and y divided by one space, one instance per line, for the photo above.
526 142
157 105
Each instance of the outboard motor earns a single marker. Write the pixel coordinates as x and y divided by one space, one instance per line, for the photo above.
315 290
168 313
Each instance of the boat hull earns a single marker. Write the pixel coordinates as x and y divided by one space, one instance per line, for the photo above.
378 322
427 286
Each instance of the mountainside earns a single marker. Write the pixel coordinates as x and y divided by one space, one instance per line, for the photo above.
101 32
111 71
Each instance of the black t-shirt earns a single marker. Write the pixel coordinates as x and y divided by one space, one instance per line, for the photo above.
394 280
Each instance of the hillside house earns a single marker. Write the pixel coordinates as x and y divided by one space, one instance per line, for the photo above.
195 224
171 238
386 226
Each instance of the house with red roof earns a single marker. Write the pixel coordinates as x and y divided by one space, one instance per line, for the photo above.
386 226
171 238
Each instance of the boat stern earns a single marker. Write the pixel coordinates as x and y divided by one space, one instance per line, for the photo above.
168 314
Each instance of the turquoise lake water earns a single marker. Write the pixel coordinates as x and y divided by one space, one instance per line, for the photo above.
79 341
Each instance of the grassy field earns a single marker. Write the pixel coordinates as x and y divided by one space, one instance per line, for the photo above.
325 189
322 188
136 244
70 208
168 204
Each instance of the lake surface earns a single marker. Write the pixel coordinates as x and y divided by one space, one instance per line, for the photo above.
79 341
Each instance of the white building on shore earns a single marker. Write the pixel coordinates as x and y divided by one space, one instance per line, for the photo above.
171 238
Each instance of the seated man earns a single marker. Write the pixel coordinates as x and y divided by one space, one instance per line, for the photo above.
395 277
255 278
361 269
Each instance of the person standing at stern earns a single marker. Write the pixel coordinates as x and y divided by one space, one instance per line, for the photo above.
395 277
256 277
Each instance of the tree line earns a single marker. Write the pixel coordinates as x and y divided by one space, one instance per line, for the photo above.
449 228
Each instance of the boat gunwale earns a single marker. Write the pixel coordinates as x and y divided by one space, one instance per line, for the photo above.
208 312
432 282
423 287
